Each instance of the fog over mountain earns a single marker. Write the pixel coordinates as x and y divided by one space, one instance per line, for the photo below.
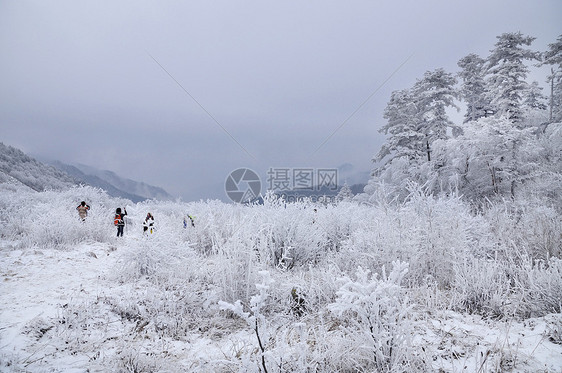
16 167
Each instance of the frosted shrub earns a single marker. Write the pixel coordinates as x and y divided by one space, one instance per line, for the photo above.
431 234
481 286
255 318
447 234
159 261
234 270
49 219
526 228
289 236
539 288
496 288
373 312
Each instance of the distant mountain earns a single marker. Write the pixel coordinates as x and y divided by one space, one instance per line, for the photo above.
17 167
145 191
95 181
347 173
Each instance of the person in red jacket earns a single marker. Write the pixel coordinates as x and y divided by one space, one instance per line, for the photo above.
119 221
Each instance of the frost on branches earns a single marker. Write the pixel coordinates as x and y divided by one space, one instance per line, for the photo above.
503 149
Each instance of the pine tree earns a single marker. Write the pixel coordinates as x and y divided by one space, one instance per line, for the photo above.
534 98
553 57
507 74
404 138
473 90
345 194
417 117
433 94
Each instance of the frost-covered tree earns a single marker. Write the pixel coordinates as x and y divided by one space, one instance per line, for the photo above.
417 117
345 194
473 90
507 73
433 94
492 158
553 57
404 138
534 98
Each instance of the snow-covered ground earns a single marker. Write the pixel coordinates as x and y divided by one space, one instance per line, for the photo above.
40 289
44 290
168 302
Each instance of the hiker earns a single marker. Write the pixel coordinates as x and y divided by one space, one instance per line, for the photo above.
119 221
148 223
83 210
314 217
185 221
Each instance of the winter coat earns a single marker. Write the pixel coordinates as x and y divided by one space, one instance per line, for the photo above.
83 211
148 221
119 218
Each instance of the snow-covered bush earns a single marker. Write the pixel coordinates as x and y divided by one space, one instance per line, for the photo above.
374 314
431 234
49 219
255 317
524 228
539 288
481 286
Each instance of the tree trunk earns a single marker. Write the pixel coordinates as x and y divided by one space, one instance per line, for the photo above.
551 94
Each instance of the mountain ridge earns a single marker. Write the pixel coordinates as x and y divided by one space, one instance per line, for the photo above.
15 165
19 168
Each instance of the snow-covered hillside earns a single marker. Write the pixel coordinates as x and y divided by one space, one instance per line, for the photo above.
18 168
96 181
425 285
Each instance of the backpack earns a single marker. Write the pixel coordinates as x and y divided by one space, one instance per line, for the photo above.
117 219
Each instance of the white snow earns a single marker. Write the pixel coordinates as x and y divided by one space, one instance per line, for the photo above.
76 299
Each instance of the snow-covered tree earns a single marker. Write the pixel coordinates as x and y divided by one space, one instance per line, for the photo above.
534 98
507 73
345 194
534 106
473 90
417 117
553 57
433 94
404 138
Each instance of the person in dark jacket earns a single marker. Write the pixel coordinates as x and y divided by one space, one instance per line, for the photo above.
119 220
83 210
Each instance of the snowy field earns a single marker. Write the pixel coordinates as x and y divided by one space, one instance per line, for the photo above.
427 285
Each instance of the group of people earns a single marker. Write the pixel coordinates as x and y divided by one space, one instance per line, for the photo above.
119 219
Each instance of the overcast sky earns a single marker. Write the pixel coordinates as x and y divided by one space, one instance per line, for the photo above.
78 82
